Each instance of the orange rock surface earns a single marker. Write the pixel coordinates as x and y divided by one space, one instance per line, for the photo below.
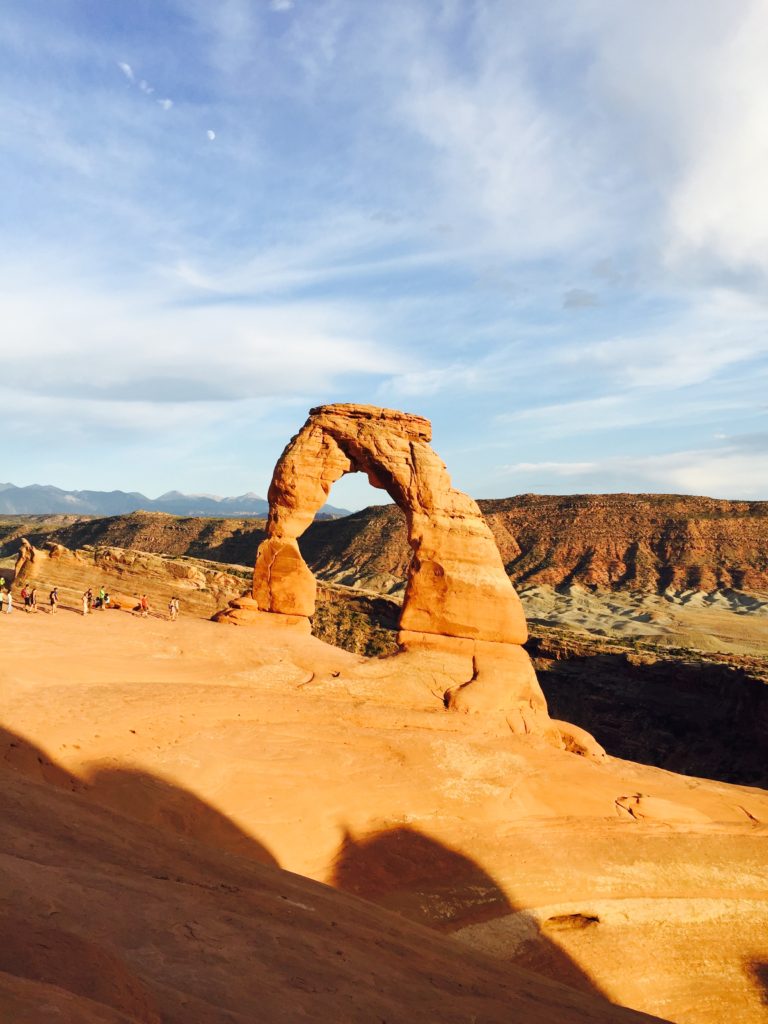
157 776
155 772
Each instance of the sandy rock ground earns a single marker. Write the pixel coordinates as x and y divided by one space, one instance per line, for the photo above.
111 921
265 745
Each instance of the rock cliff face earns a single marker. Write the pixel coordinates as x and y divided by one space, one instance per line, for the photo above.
704 715
233 541
646 542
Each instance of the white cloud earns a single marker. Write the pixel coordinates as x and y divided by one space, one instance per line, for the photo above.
281 5
592 125
690 348
232 34
685 86
732 471
425 381
211 135
143 85
336 246
502 156
93 346
609 413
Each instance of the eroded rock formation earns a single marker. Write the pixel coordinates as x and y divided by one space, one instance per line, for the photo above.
202 587
459 602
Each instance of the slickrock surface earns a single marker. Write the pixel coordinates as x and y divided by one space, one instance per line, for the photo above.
156 777
461 620
701 714
231 749
109 920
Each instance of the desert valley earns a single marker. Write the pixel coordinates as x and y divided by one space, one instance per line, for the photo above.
356 800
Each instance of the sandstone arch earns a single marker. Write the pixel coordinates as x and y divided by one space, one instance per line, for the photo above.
457 585
462 625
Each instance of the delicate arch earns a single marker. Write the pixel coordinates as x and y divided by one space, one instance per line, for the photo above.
456 586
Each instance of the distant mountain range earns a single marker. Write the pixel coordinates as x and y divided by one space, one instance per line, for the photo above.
40 499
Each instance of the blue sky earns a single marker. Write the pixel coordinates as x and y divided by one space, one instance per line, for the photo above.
543 226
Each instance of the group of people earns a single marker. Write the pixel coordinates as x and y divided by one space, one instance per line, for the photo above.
28 596
143 607
90 602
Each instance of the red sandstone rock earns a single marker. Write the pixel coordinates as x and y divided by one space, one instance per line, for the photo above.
456 585
458 601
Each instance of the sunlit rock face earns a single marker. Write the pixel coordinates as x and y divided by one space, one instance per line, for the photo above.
458 602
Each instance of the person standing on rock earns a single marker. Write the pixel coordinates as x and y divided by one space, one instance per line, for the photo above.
102 595
53 600
2 598
144 606
9 606
25 597
86 603
173 608
33 600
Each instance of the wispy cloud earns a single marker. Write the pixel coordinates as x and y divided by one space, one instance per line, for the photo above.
735 470
544 227
143 85
724 330
97 346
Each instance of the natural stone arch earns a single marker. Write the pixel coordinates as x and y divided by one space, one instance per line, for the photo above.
462 625
456 586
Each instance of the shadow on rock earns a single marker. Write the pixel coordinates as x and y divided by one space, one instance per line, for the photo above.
408 872
155 801
759 971
141 796
698 718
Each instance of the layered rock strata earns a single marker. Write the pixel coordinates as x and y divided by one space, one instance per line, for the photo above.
202 587
458 600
